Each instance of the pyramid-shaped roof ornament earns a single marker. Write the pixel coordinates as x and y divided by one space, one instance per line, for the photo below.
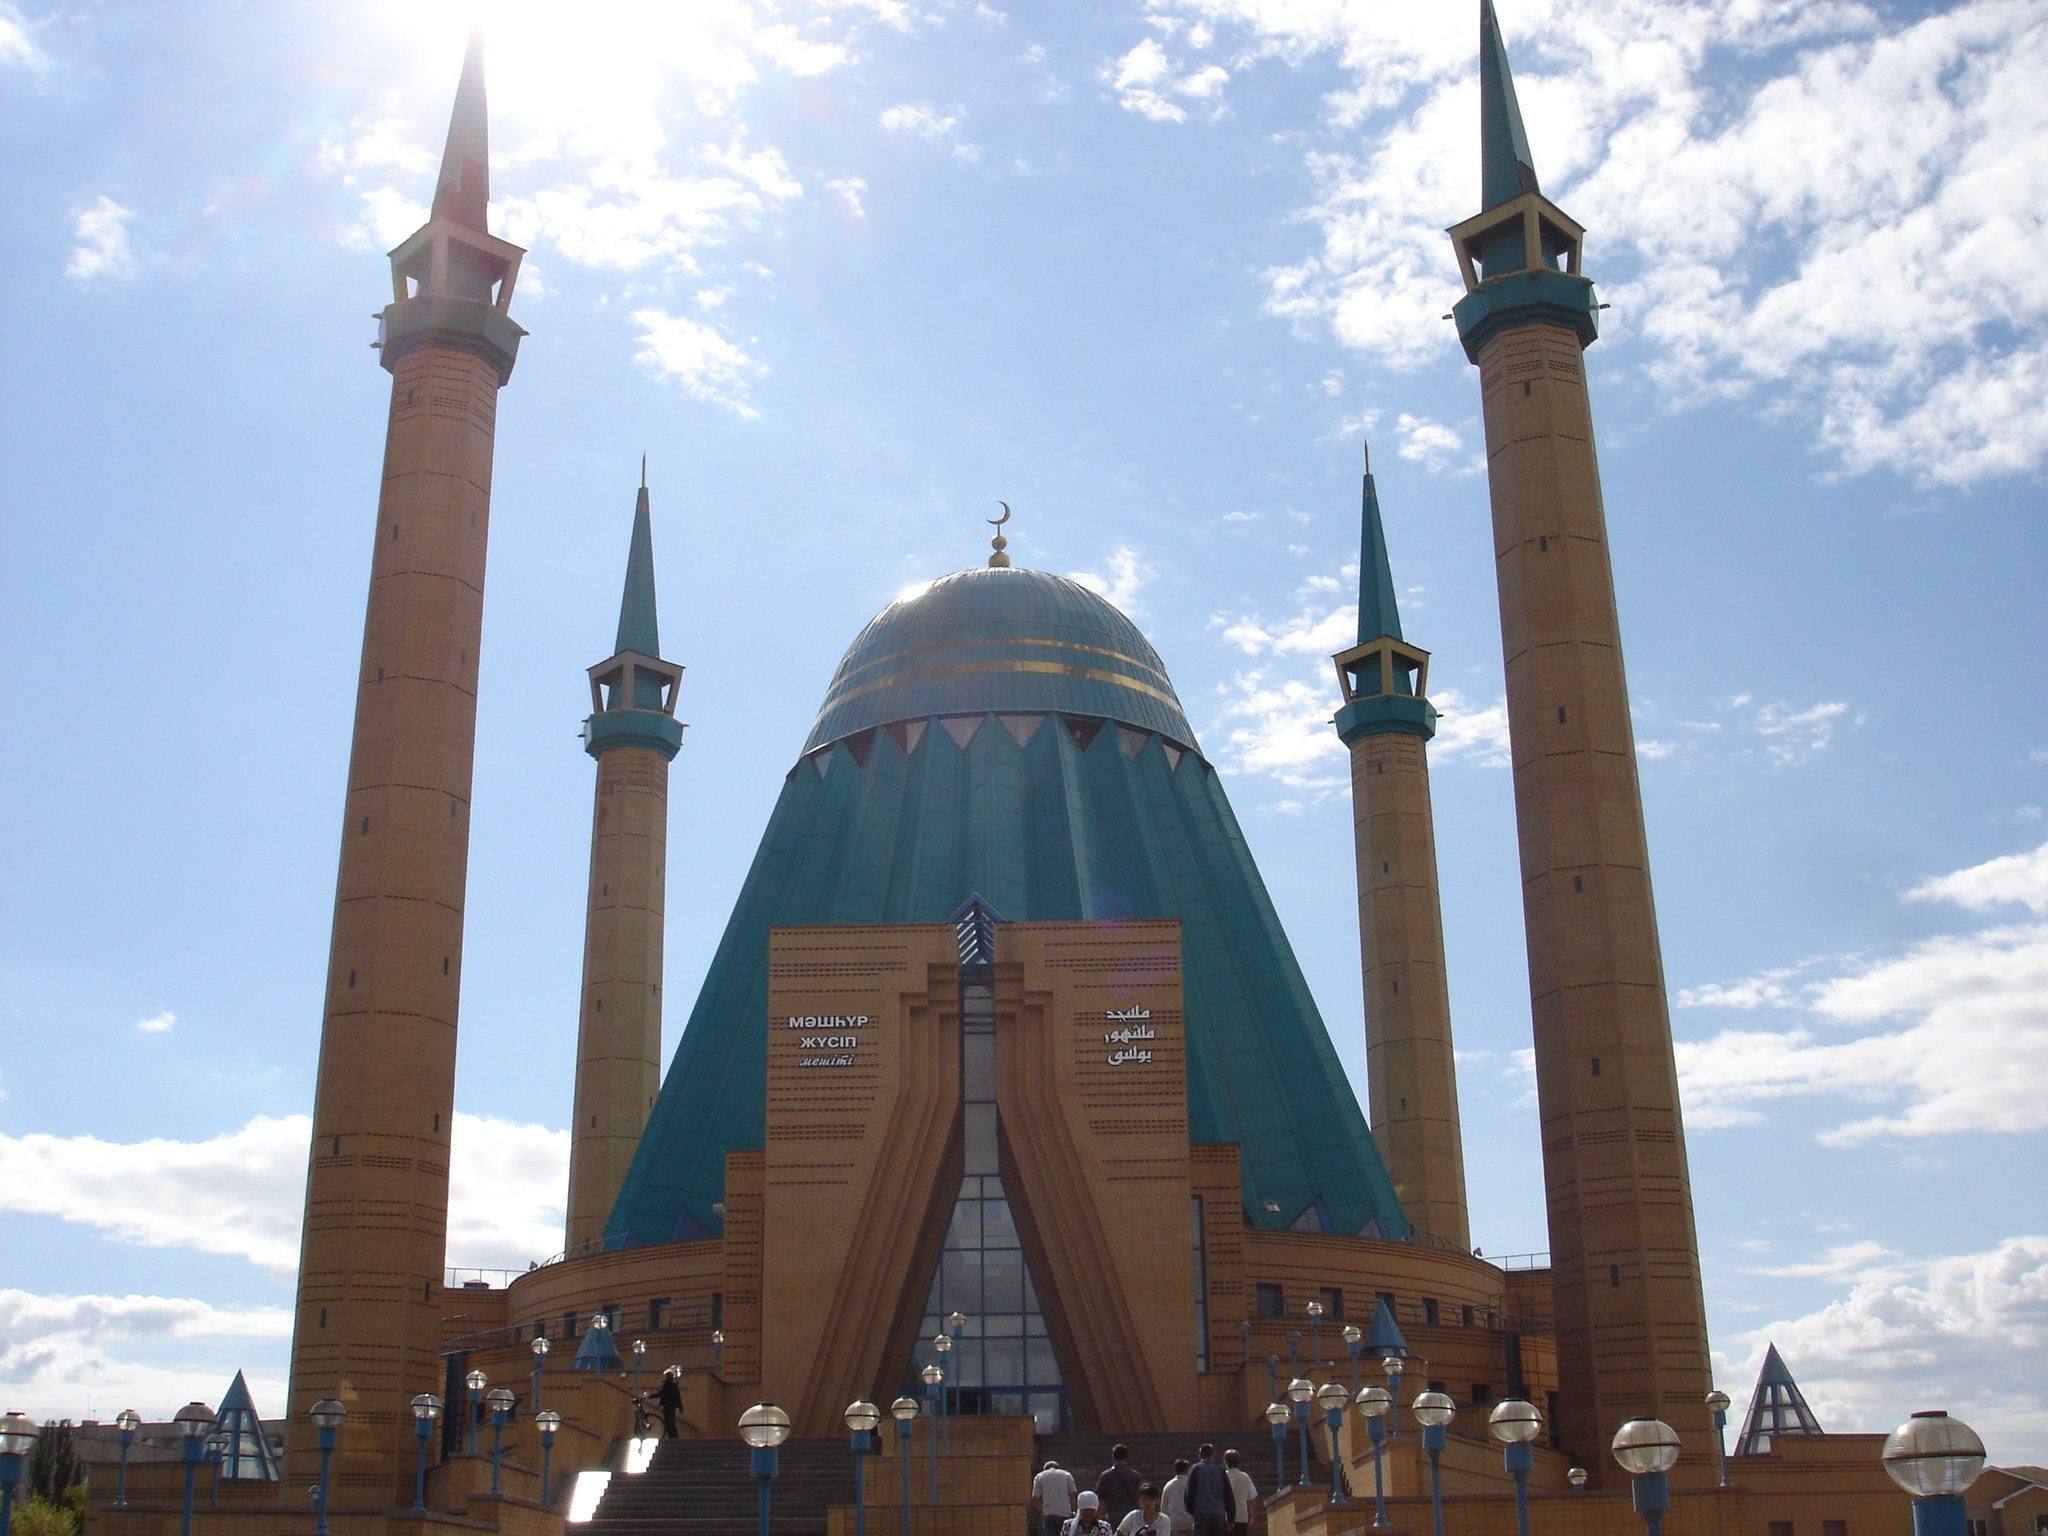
246 1455
1777 1407
975 921
597 1352
1384 1337
1384 679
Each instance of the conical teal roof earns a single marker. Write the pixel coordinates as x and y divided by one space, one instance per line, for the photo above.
1008 734
1506 167
1378 614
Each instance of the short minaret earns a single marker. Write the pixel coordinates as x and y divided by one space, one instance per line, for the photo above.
1387 722
634 735
368 1325
1631 1324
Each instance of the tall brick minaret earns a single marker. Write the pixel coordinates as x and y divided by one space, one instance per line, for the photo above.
634 735
1631 1325
368 1323
1387 722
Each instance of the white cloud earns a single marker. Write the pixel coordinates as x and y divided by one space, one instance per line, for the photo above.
1794 736
697 358
1964 1332
1127 574
922 120
18 49
1144 77
63 1355
1934 1039
102 251
849 190
1428 443
161 1023
1761 180
2018 879
240 1194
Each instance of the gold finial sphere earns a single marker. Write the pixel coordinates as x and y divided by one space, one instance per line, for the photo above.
998 560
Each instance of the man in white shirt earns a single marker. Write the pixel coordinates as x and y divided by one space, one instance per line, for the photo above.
1087 1519
1242 1492
1146 1519
1173 1499
1052 1498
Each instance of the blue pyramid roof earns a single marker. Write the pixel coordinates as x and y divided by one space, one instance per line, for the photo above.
1777 1407
1378 613
1008 733
597 1352
1384 1337
246 1455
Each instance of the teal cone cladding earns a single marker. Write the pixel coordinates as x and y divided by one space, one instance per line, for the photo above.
1008 733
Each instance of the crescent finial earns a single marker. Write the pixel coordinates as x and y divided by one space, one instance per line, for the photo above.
999 559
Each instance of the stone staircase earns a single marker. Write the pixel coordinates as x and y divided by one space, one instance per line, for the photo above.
707 1486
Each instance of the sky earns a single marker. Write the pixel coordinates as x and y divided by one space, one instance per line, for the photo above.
1152 273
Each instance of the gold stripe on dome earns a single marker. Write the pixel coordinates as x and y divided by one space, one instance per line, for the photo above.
1057 669
954 645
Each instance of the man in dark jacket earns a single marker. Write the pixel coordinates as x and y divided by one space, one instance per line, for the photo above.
671 1399
1209 1496
1118 1486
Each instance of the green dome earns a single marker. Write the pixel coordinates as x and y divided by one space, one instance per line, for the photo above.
1000 640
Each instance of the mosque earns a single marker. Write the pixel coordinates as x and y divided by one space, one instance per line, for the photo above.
1002 980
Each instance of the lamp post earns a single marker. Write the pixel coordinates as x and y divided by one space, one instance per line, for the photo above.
1315 1311
216 1453
193 1421
718 1353
17 1438
1393 1365
861 1418
476 1381
540 1355
956 1324
426 1408
327 1415
547 1422
1433 1411
1333 1397
499 1402
1294 1352
942 1344
934 1383
904 1411
764 1426
1934 1458
1277 1415
639 1355
1299 1392
1647 1449
1515 1424
1374 1402
1577 1478
1273 1379
1354 1336
127 1421
1717 1405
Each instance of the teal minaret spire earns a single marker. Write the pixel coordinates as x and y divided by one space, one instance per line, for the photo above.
1506 168
634 735
1411 1076
1382 676
1520 255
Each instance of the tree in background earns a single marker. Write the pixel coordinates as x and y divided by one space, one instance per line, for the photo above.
55 1501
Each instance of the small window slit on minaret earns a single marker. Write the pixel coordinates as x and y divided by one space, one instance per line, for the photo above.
426 1290
444 965
394 533
1527 387
1579 885
1614 1274
351 978
1596 1066
1560 714
366 825
437 1121
600 1006
337 1146
1543 543
323 1317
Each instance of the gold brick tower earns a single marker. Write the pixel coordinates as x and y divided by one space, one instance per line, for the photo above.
633 733
1631 1326
368 1323
1411 1076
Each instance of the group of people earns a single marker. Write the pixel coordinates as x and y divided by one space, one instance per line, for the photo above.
1207 1497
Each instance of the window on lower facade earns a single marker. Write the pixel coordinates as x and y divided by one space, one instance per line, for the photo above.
1268 1301
1834 1528
1781 1528
1482 1395
1429 1310
1333 1304
657 1310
